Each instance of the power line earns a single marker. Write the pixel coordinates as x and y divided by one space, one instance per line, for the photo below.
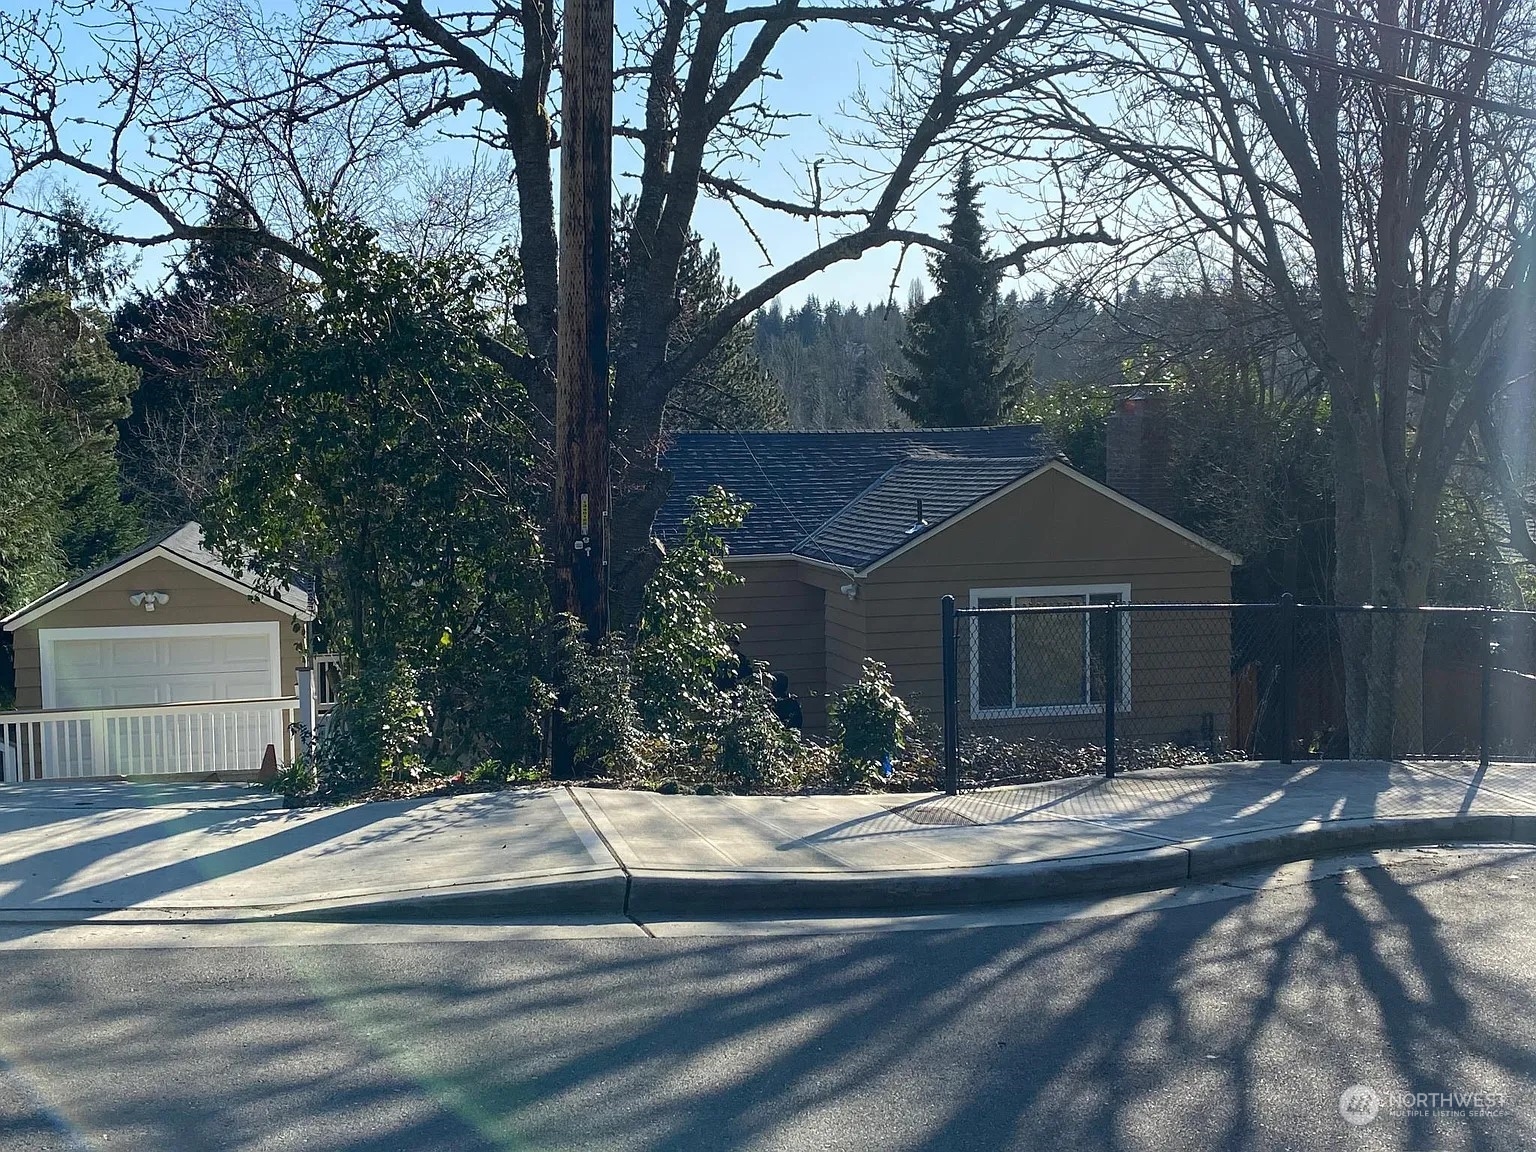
806 536
1294 56
1412 33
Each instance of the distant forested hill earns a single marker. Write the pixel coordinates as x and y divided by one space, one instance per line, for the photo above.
832 361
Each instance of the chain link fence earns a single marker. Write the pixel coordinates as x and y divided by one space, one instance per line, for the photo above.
1044 684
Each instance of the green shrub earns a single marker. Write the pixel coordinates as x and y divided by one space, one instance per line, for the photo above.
679 641
869 722
755 750
376 733
297 780
599 706
499 774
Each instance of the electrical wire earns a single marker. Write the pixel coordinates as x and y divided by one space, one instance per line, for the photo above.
1294 56
1411 33
806 537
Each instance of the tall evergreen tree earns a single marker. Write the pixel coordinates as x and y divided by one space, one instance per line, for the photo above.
961 373
71 256
178 437
62 393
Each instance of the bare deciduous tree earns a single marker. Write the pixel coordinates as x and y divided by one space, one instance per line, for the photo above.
1376 174
293 109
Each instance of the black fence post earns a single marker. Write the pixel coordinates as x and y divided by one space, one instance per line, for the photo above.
1485 703
951 697
1111 683
1287 676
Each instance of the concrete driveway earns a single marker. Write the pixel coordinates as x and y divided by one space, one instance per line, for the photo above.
215 851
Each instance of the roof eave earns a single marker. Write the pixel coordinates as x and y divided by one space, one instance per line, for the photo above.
1055 465
764 557
57 598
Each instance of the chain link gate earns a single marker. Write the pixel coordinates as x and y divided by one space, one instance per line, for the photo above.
1043 683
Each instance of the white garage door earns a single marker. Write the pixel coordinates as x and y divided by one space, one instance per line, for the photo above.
169 665
118 668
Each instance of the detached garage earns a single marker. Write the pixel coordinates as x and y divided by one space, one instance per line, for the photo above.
133 668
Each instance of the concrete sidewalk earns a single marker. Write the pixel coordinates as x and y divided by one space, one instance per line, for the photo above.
196 851
204 852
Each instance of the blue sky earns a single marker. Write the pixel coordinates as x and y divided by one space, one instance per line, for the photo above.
822 66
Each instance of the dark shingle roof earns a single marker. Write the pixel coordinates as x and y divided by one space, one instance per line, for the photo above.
884 516
847 497
187 543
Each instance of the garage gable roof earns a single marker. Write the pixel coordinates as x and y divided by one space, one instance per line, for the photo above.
182 546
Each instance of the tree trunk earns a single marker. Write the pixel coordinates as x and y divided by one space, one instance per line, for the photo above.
1383 650
579 536
640 489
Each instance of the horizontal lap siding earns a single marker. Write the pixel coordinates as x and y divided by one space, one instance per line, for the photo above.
781 618
1054 531
194 599
842 627
1181 676
26 661
845 621
846 645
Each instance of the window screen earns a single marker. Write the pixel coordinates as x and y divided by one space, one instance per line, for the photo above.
1044 663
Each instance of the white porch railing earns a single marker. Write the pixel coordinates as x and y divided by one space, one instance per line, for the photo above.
327 680
145 740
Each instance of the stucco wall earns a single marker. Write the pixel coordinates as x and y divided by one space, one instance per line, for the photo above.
193 600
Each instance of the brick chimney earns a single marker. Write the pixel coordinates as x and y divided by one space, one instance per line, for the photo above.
1136 447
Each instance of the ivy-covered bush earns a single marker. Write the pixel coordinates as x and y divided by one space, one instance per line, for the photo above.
376 735
680 644
869 722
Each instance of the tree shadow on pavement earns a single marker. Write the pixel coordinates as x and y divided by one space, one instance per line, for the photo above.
45 880
1233 1023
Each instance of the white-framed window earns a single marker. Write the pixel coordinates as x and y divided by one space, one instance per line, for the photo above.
1047 663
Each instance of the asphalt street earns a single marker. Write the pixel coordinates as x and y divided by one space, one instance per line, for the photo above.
1229 1017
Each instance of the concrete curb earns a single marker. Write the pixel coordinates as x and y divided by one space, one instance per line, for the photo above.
1212 858
641 894
582 895
595 893
667 895
658 894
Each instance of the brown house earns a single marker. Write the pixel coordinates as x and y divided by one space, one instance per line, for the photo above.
855 536
165 660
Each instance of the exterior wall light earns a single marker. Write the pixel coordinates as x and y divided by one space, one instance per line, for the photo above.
148 601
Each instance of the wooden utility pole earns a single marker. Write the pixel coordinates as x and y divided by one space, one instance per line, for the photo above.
579 538
586 230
